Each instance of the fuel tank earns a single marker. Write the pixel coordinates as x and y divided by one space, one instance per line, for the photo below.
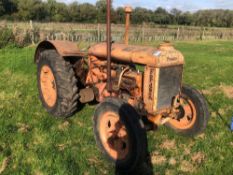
163 56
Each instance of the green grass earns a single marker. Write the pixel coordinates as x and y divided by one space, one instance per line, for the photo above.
35 143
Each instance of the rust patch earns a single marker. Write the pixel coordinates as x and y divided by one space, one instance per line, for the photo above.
128 11
139 54
168 144
64 48
198 157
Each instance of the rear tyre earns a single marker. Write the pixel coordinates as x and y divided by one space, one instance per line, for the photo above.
57 84
120 135
193 116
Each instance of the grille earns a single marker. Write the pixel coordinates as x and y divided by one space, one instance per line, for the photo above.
161 85
169 84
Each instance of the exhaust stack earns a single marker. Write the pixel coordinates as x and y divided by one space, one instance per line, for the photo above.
109 40
128 11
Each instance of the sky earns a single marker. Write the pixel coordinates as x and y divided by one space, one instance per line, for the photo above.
185 5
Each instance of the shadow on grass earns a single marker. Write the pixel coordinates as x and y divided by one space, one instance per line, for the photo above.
144 168
138 159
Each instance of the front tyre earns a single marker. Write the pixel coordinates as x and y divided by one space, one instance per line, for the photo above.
193 113
57 84
120 134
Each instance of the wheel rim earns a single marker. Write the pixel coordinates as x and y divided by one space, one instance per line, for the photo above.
189 115
114 136
48 86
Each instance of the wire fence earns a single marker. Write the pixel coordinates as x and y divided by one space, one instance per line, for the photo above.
36 32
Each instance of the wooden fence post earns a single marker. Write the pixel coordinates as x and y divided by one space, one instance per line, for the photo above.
178 33
143 31
98 33
203 34
32 33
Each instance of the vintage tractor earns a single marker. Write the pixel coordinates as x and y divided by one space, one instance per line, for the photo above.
130 101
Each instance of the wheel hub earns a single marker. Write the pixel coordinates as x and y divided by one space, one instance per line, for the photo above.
186 116
114 136
181 113
48 86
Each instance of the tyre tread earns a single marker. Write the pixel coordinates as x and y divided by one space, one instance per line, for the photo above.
66 82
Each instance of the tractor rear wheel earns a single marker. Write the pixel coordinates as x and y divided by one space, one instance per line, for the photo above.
193 113
120 135
57 84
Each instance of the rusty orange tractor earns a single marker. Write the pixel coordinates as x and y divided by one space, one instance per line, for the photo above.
130 101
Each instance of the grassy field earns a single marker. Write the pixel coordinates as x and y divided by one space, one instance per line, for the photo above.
32 142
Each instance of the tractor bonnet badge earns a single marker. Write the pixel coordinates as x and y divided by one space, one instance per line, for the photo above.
157 53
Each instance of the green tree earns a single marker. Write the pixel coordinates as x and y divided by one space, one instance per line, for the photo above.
73 12
8 7
101 11
186 19
119 16
176 15
52 10
161 16
28 9
141 15
60 13
2 9
87 13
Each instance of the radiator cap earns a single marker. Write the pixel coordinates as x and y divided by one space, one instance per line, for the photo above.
166 46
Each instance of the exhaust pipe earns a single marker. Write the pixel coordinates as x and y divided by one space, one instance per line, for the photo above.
128 11
109 41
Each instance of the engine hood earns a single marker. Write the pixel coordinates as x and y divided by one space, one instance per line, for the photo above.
163 56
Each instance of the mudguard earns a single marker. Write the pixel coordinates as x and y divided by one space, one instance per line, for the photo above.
64 48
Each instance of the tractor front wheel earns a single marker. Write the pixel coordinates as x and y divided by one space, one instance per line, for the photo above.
120 135
57 84
193 113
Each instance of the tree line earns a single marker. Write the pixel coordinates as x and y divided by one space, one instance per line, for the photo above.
51 10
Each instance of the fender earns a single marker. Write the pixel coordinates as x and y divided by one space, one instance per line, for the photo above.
64 48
